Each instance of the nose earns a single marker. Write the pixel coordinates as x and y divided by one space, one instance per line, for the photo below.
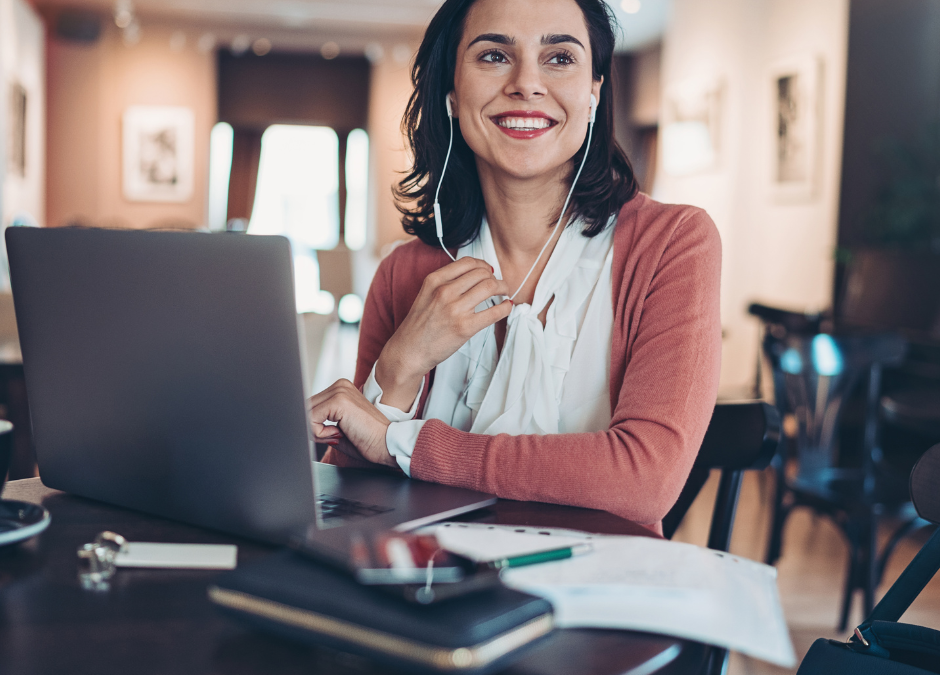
525 80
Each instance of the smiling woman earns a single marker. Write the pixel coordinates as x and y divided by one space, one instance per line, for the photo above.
552 335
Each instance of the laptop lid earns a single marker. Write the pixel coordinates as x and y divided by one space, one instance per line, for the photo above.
163 373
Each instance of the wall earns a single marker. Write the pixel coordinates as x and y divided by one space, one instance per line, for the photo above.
22 61
89 88
388 96
777 253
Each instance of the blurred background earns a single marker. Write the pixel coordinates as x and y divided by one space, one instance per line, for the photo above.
808 129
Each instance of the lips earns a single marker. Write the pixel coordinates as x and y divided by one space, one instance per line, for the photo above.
523 124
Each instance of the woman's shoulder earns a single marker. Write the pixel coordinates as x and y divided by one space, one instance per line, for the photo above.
405 267
645 225
644 217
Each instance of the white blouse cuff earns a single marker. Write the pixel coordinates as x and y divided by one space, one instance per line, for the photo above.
373 392
401 438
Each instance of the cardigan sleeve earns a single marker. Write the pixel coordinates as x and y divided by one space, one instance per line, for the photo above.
636 468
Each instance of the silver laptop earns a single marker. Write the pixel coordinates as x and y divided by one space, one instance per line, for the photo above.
163 374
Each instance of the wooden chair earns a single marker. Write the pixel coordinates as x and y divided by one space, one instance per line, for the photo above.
740 437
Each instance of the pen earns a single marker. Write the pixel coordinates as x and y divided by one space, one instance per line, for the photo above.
541 556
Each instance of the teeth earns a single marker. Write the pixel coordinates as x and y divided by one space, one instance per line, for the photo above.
524 123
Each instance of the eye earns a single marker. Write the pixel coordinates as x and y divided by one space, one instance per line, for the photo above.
562 59
493 56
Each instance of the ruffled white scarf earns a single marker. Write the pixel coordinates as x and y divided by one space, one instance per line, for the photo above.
546 380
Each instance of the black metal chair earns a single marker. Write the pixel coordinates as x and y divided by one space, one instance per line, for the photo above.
740 437
814 375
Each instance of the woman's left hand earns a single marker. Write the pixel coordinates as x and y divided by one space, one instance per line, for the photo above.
360 427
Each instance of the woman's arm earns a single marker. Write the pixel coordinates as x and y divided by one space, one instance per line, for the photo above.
637 467
405 334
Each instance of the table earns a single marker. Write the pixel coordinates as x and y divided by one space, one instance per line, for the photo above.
160 622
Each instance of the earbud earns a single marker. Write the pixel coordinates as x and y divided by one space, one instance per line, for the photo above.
438 221
593 108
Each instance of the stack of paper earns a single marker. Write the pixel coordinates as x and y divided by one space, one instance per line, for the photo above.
643 584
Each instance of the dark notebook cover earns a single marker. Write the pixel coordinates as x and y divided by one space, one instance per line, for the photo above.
301 599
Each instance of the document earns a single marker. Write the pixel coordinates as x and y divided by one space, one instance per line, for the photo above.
641 583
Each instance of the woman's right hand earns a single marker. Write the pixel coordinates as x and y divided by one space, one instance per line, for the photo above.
441 320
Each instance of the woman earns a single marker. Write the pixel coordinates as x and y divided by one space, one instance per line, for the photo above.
570 353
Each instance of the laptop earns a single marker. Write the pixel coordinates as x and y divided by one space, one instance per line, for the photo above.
163 373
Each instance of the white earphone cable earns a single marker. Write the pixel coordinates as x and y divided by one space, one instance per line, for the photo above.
438 221
437 207
562 214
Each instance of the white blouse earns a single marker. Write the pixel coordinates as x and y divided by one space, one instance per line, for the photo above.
547 380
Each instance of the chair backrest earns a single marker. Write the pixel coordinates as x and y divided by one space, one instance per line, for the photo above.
815 374
740 436
925 485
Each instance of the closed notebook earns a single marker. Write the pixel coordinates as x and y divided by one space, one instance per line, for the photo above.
300 599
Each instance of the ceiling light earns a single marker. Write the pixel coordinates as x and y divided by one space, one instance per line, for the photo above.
206 43
375 52
261 46
401 53
240 44
330 50
123 13
630 6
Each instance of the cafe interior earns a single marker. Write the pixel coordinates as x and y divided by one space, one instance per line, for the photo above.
809 130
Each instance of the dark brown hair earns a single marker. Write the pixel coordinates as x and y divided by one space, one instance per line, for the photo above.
605 185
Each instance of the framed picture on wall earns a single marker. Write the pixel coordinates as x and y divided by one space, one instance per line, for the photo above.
796 118
16 136
158 153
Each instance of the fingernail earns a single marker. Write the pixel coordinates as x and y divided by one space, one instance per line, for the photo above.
492 269
331 442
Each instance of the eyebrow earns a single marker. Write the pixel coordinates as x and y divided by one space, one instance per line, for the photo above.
499 38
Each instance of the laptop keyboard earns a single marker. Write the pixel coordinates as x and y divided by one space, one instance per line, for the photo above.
337 507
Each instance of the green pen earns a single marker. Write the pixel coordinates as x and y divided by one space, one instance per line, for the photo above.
541 556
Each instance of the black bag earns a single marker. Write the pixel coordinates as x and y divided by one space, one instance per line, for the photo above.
881 645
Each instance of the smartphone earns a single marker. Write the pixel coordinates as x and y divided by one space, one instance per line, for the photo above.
410 565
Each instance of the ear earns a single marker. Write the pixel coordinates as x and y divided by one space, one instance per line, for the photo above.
596 90
452 98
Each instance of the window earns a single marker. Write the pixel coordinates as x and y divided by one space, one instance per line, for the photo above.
298 186
298 197
220 169
357 185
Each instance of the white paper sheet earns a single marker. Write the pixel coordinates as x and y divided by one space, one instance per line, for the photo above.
641 583
178 556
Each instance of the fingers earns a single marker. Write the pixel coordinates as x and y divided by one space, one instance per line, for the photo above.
488 317
338 386
455 269
466 283
328 406
483 290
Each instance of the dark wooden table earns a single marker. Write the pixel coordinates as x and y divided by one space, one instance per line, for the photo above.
160 622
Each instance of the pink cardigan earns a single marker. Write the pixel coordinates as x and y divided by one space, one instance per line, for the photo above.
664 363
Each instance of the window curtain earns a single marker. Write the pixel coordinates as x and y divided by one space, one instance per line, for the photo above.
243 182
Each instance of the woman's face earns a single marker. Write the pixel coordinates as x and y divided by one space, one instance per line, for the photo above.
523 85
